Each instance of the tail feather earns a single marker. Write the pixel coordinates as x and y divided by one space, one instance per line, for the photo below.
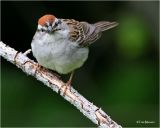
105 25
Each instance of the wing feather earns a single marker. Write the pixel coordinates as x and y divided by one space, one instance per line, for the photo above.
94 31
84 33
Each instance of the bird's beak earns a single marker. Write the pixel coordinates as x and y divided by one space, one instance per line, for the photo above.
50 29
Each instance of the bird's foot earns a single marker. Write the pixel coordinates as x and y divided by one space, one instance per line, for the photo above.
38 68
67 87
54 73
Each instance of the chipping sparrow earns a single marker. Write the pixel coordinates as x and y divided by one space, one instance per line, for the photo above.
62 44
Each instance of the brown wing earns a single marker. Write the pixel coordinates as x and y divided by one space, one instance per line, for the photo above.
94 31
84 33
76 33
91 34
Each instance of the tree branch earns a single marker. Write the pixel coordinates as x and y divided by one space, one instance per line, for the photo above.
92 112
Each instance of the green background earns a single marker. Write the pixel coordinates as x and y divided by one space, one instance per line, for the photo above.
120 75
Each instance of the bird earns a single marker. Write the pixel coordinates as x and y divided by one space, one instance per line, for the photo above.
62 45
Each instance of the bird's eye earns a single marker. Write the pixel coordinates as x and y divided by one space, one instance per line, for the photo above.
56 24
42 30
59 22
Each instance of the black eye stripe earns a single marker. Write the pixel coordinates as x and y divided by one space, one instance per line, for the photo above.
58 22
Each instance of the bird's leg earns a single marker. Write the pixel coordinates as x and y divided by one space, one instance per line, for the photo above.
68 84
27 52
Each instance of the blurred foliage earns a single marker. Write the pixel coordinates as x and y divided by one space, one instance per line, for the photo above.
133 36
120 75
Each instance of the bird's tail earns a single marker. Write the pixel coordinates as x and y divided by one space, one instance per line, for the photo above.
105 25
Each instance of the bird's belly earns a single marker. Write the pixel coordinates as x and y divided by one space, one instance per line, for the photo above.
67 63
61 56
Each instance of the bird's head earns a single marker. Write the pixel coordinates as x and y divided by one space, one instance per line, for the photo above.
49 23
